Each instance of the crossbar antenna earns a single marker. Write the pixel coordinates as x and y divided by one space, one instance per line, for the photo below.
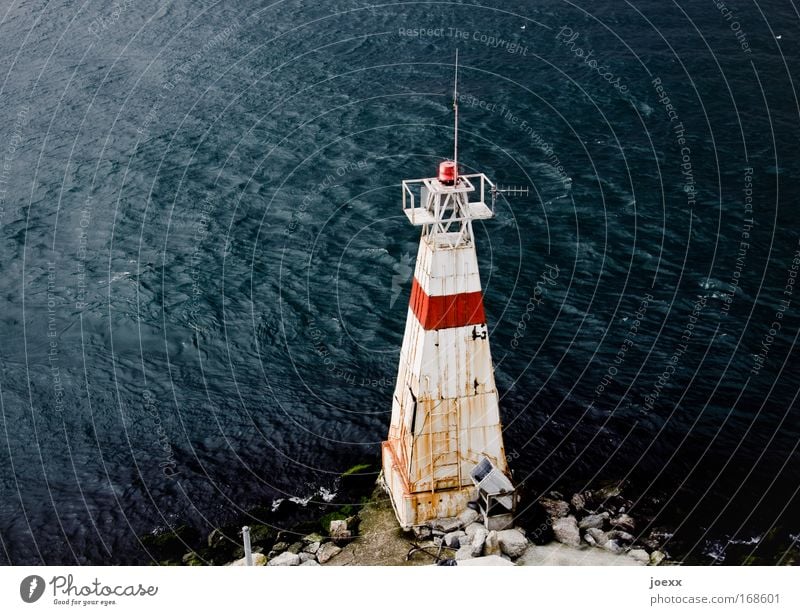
509 191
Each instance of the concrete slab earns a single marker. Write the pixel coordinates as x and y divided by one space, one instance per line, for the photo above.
556 554
489 560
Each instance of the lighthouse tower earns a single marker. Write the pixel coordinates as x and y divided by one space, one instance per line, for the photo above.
445 415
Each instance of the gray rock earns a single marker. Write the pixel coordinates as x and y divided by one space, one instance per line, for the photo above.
640 555
512 542
468 516
612 545
578 502
595 521
310 562
623 522
472 528
464 552
621 536
566 531
337 525
453 539
656 557
478 540
295 547
304 557
599 536
491 545
446 524
327 551
259 559
285 559
340 532
279 547
312 548
590 540
605 493
555 509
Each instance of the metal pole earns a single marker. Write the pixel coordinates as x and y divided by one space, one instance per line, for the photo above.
455 126
248 552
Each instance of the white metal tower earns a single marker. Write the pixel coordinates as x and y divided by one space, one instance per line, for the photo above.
445 414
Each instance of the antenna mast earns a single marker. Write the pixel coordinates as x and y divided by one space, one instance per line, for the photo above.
455 108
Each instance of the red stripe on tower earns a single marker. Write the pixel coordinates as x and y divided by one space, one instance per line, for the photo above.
446 311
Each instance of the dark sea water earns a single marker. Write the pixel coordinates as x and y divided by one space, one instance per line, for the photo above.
204 266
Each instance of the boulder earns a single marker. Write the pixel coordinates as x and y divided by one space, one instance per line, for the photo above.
327 551
599 536
453 539
612 545
590 540
640 555
337 526
312 548
656 557
295 547
340 532
468 516
623 522
285 559
304 557
566 531
491 545
620 536
472 528
578 502
279 547
446 524
478 540
310 562
512 542
606 493
555 509
464 552
259 559
593 521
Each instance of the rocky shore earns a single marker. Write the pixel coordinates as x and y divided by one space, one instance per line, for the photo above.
595 527
588 528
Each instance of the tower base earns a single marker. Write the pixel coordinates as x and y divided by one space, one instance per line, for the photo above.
414 509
